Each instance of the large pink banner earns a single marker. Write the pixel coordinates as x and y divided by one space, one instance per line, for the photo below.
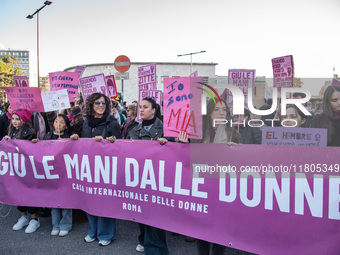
262 199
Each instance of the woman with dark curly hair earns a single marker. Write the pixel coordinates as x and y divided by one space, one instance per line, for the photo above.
330 117
100 124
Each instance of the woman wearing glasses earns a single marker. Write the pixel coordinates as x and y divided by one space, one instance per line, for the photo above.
100 124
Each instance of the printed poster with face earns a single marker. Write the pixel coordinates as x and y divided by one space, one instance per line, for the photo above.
55 100
20 81
93 84
182 106
25 98
283 71
65 80
111 85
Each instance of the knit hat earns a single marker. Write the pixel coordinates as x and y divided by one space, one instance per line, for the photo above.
24 114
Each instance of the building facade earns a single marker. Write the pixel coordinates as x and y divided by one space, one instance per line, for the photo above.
23 59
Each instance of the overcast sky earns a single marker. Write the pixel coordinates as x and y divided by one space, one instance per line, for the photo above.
234 34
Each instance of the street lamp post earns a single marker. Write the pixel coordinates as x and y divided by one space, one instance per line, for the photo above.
31 17
202 51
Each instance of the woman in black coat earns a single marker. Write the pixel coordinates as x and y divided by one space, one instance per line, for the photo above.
100 124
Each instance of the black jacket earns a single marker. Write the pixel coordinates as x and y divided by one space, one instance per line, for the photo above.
139 133
4 124
51 136
332 126
27 134
109 127
250 135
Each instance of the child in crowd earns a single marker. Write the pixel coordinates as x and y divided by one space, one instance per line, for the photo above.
61 218
20 128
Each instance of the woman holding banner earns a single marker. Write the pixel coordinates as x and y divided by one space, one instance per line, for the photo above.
330 117
100 124
152 240
220 133
131 121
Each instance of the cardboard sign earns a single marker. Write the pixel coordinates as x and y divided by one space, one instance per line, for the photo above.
243 79
111 85
155 94
55 100
336 82
79 70
25 98
20 81
182 106
283 71
147 77
93 84
65 80
292 136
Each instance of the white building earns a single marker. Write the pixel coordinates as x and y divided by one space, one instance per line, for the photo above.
163 70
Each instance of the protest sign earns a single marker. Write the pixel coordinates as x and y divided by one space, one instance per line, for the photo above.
55 100
25 98
111 85
20 81
147 77
275 202
93 84
336 82
182 106
241 78
293 136
283 71
155 94
65 80
79 70
194 74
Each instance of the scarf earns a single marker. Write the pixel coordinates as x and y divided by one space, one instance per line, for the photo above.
94 122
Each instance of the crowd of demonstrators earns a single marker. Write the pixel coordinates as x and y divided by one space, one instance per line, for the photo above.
96 119
330 116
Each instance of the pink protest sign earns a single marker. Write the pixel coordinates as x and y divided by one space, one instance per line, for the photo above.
283 70
194 74
79 70
25 98
20 81
65 80
243 79
292 136
182 106
155 94
336 82
277 200
93 84
111 85
147 77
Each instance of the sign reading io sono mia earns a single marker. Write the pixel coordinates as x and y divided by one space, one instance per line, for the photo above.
122 63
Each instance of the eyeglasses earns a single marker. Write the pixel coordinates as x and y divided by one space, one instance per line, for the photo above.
100 102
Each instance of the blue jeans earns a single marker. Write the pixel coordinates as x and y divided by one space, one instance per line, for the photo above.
204 247
61 219
102 228
155 241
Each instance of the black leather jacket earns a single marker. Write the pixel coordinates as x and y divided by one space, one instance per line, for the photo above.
139 133
109 127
